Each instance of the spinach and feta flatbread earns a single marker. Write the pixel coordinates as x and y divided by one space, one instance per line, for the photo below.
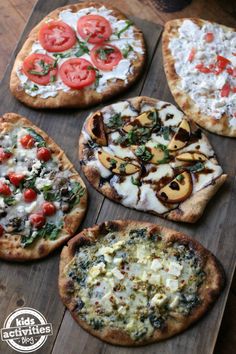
134 283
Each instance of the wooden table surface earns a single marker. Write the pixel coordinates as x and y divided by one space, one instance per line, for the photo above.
15 13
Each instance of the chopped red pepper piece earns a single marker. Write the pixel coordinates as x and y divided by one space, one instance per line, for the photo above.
225 90
209 37
192 55
202 68
222 62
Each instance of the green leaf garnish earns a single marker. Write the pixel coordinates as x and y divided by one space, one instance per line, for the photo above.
143 153
127 50
124 29
115 121
40 141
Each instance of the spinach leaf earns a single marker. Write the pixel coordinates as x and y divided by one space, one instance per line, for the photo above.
199 166
115 121
76 193
166 132
49 231
135 181
10 201
143 153
40 141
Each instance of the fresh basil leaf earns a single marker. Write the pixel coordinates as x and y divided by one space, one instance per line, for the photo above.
33 88
127 50
104 52
124 29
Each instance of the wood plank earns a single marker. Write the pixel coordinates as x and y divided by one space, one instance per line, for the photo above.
35 284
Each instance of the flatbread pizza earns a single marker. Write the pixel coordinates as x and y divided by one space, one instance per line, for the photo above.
42 197
77 56
147 155
200 65
133 283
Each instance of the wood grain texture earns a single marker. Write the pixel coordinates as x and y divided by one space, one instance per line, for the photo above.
36 284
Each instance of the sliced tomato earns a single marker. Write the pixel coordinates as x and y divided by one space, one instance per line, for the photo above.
56 36
1 230
203 69
37 220
44 154
209 37
222 62
94 28
77 73
29 195
40 68
4 189
225 90
16 178
4 154
105 56
48 209
27 141
192 55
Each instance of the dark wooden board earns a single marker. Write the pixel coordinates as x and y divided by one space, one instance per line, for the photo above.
35 284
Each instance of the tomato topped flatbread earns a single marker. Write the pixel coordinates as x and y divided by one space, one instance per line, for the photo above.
79 55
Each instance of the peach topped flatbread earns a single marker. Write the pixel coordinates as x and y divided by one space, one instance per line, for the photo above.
147 155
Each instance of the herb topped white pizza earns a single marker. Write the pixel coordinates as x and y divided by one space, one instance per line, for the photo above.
42 197
134 283
200 65
145 154
78 56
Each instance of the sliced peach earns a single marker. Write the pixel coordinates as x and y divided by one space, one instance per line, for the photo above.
143 120
158 155
116 164
178 190
95 128
181 137
191 156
